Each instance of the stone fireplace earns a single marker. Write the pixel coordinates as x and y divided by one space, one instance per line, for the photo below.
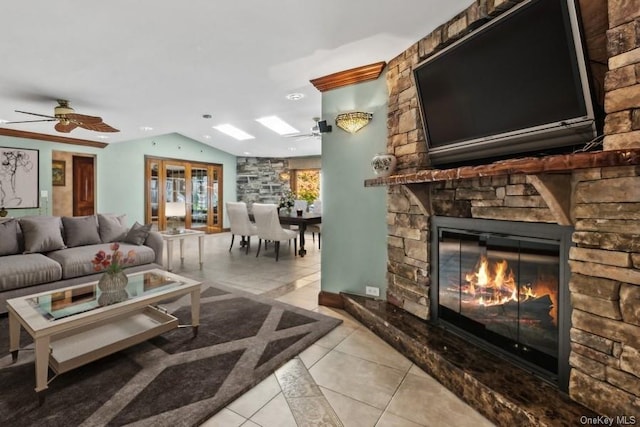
504 286
595 195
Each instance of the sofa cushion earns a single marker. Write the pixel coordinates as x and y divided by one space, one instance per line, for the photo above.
42 234
112 228
9 237
77 261
19 271
80 230
138 234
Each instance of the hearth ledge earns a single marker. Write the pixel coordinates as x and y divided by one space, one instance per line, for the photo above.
503 393
527 165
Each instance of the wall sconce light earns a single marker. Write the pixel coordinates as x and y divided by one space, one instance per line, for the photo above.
354 121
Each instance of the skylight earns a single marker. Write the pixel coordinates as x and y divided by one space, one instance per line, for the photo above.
277 125
233 132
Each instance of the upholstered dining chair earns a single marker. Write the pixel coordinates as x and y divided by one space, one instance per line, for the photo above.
240 223
316 228
269 228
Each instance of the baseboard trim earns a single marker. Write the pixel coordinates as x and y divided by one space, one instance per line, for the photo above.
329 299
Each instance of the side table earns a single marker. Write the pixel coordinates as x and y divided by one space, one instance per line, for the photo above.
183 234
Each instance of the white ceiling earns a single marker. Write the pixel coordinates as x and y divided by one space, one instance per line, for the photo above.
164 64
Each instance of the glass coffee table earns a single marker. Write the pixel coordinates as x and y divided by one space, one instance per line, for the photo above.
76 325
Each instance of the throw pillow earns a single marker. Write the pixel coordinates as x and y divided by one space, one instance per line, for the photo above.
42 234
80 230
112 228
9 237
138 234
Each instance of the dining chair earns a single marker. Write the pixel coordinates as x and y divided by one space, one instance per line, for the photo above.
269 228
316 228
240 223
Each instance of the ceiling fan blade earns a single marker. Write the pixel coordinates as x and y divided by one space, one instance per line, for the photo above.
299 135
98 127
32 121
65 127
35 114
81 118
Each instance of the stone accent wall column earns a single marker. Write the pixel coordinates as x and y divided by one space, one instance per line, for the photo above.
408 262
605 291
622 81
406 138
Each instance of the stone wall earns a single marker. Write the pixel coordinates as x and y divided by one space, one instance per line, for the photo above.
603 204
261 180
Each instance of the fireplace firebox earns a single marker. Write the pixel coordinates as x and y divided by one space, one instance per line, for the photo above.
504 286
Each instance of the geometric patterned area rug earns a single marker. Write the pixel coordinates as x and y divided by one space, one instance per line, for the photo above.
173 379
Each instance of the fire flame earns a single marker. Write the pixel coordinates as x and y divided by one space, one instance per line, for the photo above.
494 284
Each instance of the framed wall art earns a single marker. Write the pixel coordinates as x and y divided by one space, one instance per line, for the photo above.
58 176
19 178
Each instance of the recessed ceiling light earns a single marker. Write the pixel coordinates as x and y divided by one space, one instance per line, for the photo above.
277 125
103 137
233 132
206 136
295 96
292 148
246 153
145 128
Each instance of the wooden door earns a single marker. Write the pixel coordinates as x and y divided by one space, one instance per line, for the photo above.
206 193
83 186
195 189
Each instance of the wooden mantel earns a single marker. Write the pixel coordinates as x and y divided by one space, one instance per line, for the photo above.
527 165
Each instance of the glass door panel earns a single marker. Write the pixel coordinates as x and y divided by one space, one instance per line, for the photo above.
199 197
175 196
153 194
216 221
181 194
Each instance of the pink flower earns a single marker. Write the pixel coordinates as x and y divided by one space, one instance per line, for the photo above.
113 262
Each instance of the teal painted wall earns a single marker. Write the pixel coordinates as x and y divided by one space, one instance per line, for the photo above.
123 178
45 150
120 169
354 230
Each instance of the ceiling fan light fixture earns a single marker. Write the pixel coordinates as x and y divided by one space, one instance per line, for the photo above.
354 121
62 108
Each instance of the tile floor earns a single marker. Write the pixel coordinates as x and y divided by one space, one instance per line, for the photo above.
350 377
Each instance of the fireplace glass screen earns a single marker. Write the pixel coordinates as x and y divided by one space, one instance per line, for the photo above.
502 290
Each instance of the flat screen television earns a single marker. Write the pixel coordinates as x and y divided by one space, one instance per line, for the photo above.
516 85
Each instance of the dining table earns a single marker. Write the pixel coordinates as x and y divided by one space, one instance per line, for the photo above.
307 218
302 221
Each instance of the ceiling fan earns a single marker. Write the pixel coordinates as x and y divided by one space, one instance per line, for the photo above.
68 120
314 132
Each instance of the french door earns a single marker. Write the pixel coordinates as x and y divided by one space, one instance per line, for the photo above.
183 194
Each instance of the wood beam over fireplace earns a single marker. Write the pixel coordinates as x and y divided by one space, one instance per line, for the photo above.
527 165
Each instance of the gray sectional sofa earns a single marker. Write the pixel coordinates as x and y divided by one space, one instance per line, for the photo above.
42 253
